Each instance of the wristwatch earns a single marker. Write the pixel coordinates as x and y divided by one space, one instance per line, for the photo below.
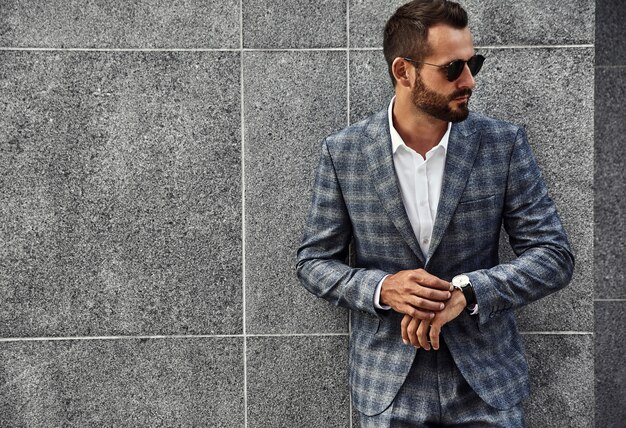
462 282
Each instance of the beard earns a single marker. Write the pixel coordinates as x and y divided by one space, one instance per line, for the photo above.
438 105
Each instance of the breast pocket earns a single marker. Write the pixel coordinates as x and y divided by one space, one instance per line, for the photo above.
486 203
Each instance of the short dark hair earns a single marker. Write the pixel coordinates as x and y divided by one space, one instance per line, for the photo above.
406 32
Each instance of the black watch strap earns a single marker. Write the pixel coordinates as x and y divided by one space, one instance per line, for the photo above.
470 297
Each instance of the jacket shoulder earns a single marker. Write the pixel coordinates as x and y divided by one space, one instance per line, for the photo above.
354 136
493 128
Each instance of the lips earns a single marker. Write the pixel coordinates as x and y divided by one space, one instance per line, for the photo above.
462 95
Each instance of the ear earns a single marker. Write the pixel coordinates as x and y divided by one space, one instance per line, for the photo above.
401 71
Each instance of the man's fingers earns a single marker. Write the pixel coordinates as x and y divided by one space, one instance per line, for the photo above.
431 281
439 284
432 294
411 331
422 335
404 325
420 302
416 313
434 336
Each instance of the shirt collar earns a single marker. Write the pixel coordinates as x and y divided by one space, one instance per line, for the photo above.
396 139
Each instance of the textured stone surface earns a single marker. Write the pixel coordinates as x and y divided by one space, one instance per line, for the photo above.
111 24
553 98
531 22
610 41
122 383
610 390
292 101
298 381
121 193
121 198
493 22
371 88
561 379
610 184
288 24
368 19
355 418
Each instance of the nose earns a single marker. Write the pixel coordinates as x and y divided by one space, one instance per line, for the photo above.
466 80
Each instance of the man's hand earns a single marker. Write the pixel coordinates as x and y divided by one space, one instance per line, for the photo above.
417 331
415 293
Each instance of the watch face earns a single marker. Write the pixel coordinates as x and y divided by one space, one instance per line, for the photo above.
460 281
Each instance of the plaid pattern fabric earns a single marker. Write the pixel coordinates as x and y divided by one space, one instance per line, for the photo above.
490 179
436 395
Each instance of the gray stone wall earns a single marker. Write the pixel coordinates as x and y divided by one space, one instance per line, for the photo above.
156 161
610 213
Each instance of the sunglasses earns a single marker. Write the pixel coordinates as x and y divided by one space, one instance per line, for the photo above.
455 68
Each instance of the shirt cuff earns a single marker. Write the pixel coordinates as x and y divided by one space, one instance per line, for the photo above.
473 309
377 304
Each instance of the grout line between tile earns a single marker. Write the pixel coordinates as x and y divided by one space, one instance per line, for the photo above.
533 46
374 48
616 66
231 336
347 63
172 336
348 124
129 337
341 49
297 334
243 220
5 48
609 300
293 49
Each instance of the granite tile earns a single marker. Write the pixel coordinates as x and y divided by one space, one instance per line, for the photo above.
561 381
553 98
371 88
110 24
123 383
368 19
610 42
493 22
298 381
292 101
610 387
610 183
288 24
121 201
530 22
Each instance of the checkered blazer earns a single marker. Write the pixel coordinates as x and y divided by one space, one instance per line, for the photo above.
490 179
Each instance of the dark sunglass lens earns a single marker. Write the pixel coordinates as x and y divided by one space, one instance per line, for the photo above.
455 68
475 63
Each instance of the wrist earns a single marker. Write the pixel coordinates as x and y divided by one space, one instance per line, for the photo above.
383 292
458 298
378 300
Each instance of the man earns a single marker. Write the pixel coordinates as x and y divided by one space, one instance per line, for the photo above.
421 190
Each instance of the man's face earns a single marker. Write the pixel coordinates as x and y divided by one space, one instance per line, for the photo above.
432 92
449 108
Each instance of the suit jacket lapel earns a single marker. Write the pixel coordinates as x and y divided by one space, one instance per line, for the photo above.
379 158
463 146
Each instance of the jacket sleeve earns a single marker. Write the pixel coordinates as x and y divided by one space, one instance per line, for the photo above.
321 259
545 262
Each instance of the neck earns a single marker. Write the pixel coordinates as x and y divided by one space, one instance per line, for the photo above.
419 131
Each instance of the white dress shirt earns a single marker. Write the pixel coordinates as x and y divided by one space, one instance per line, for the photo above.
420 184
